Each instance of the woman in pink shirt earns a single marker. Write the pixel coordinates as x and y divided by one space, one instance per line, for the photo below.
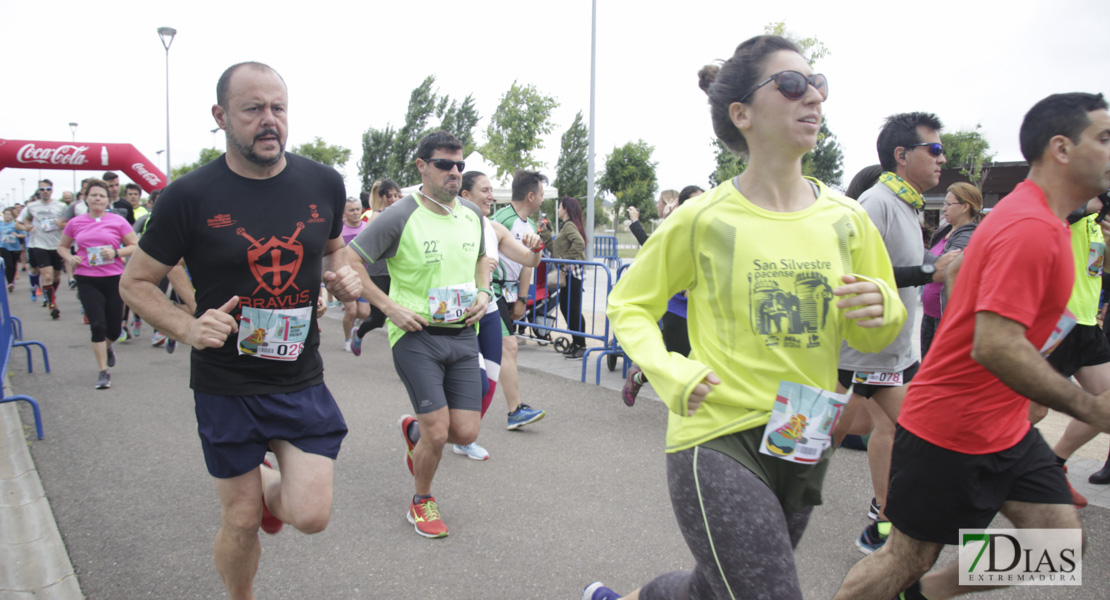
103 238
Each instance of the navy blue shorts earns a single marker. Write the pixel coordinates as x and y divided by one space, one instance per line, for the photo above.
235 431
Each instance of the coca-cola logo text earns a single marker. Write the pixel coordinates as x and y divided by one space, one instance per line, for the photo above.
65 154
150 178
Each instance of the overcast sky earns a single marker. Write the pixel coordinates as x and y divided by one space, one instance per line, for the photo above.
350 66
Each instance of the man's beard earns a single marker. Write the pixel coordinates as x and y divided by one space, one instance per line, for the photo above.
247 150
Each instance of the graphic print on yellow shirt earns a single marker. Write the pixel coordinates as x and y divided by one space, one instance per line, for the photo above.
790 306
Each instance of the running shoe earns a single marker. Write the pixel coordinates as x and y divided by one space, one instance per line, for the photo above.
55 313
72 284
472 450
111 356
1076 498
404 423
424 516
137 327
45 302
34 294
270 523
171 345
524 415
873 510
346 345
103 380
123 337
85 319
597 591
11 287
873 537
631 387
356 342
158 339
1101 476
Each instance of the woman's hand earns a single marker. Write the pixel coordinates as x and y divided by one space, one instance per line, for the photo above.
701 390
108 253
633 213
864 300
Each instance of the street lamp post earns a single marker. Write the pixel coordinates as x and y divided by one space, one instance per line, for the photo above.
22 189
214 137
159 153
166 34
73 130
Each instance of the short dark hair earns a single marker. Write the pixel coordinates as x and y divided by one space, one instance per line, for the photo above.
863 181
733 80
100 183
364 198
225 79
437 140
468 180
108 176
1058 114
47 181
153 197
132 186
901 130
688 191
526 181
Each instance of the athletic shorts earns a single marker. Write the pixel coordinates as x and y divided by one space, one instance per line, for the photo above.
235 431
1084 346
505 309
934 492
439 368
845 378
40 257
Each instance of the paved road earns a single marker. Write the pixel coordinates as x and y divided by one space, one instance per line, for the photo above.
577 497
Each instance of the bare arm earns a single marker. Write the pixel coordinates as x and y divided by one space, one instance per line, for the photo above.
402 317
1001 347
63 250
523 251
477 309
179 279
139 289
341 280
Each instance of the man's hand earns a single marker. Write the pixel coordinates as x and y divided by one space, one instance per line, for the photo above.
518 309
701 390
532 242
321 306
405 318
864 299
633 213
344 284
213 327
477 309
942 265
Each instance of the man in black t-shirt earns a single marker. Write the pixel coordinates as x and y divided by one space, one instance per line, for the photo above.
255 227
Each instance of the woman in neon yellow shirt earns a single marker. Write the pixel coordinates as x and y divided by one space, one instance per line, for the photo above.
779 270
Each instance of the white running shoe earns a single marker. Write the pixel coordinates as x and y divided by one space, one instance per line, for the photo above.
347 346
472 450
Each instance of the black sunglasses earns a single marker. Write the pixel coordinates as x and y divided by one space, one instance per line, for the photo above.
445 165
45 189
934 148
793 84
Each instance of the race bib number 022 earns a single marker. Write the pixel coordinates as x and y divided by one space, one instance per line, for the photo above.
274 334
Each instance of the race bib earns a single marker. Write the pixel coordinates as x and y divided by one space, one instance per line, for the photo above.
94 257
894 379
277 334
801 424
1095 258
47 225
449 304
9 238
1063 327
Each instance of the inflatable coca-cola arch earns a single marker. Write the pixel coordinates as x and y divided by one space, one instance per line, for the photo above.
82 156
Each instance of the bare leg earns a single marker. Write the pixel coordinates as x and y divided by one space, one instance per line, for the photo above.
301 493
437 428
1096 380
880 576
883 408
509 383
236 548
100 351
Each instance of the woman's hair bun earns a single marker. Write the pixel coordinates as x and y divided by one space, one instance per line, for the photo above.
706 76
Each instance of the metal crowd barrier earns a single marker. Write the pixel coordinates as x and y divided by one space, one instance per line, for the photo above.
8 325
605 249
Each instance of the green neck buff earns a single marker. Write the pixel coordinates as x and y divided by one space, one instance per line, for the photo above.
902 189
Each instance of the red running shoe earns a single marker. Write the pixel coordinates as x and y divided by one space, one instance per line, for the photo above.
424 517
404 423
270 523
1076 498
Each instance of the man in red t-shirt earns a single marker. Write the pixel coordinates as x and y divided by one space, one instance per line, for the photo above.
964 449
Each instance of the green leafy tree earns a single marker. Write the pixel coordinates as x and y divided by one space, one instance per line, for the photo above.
376 158
422 105
320 151
629 176
207 155
571 172
812 48
516 128
459 120
825 162
728 164
969 152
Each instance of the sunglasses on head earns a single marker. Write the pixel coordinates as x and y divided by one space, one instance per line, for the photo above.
934 148
45 189
445 165
793 84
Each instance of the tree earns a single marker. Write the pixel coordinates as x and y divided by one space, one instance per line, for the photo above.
459 120
320 151
728 164
630 176
572 170
969 152
422 105
207 155
812 48
825 161
522 117
376 156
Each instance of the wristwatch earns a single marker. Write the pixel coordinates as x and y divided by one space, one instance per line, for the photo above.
929 270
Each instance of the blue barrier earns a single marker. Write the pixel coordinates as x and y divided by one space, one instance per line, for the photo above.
605 248
8 325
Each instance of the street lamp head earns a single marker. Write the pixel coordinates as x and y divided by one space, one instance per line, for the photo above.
166 34
73 124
